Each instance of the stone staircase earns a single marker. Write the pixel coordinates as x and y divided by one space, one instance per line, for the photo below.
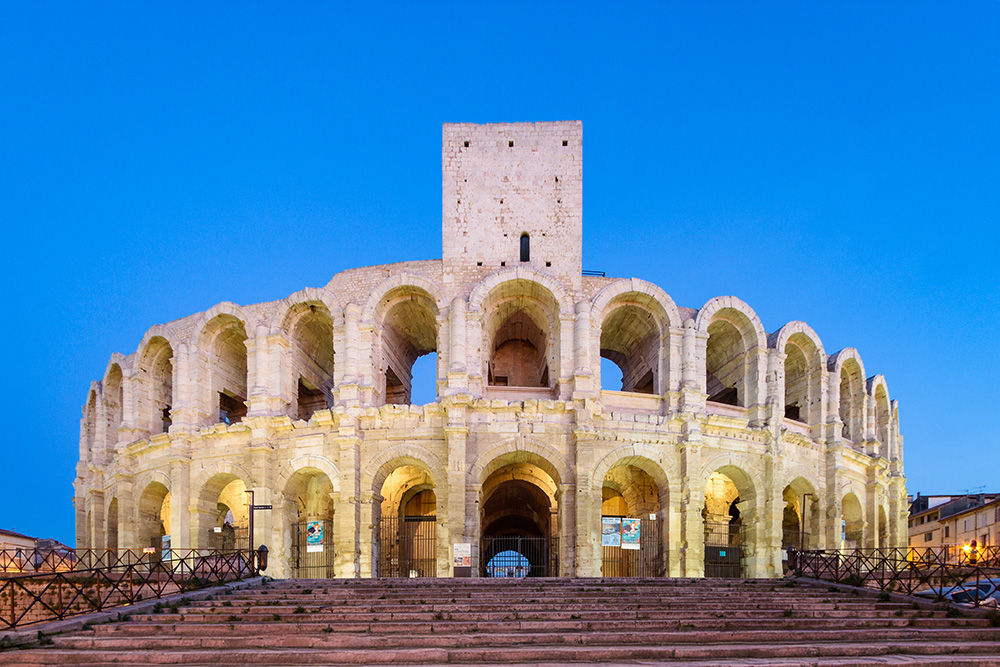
538 621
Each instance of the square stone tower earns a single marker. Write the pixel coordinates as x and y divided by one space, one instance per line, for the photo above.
503 182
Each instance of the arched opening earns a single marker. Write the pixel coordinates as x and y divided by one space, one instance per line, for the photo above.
408 330
883 529
224 341
407 536
853 527
800 517
728 517
113 402
852 400
521 318
882 420
633 510
309 524
519 524
630 337
153 520
223 513
88 434
310 328
113 524
155 377
525 247
802 378
726 370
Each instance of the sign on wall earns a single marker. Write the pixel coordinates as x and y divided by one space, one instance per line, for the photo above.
611 531
463 554
631 531
314 537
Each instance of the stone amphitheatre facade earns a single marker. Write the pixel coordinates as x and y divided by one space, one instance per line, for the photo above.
719 438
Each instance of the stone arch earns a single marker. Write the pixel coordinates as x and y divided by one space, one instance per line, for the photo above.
306 508
402 542
153 511
643 456
804 361
405 317
208 488
630 481
881 413
308 378
634 321
285 312
111 514
521 331
479 293
801 515
153 383
221 335
113 385
379 467
395 283
852 513
732 352
313 462
518 450
88 424
730 515
847 391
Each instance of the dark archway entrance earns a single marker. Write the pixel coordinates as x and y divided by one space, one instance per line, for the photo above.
519 525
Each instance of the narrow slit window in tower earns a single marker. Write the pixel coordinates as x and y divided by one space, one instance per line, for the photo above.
525 247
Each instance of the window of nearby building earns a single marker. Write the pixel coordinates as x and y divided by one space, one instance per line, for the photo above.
965 529
928 536
947 531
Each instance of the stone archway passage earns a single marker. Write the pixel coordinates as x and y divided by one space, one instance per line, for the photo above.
724 533
407 528
519 532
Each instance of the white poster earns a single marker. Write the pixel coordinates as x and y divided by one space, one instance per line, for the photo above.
463 554
611 531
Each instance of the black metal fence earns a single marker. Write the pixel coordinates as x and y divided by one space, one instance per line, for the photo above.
312 552
407 546
724 550
519 556
646 561
904 570
70 583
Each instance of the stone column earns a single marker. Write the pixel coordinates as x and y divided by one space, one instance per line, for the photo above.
568 523
567 359
456 437
584 384
348 510
587 516
350 391
183 415
691 554
458 370
180 499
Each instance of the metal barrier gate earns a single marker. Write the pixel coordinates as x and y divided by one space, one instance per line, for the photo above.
312 553
723 550
519 556
407 547
646 561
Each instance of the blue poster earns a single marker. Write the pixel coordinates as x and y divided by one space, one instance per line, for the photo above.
314 537
631 532
611 531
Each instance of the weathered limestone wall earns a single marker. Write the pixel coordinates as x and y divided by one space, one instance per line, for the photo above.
321 435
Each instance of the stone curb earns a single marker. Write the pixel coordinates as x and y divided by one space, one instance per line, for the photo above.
23 638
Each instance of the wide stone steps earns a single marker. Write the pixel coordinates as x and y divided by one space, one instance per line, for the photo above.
579 622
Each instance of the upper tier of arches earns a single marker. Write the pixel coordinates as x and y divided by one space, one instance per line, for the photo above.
516 334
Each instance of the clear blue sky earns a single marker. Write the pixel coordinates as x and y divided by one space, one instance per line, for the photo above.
836 163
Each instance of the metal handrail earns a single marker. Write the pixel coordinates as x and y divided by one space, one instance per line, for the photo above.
120 577
901 570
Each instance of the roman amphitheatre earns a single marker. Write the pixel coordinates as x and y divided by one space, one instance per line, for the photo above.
723 443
